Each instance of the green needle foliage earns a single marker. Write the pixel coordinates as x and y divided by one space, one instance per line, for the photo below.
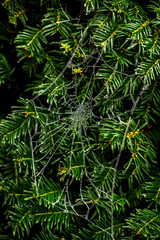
79 152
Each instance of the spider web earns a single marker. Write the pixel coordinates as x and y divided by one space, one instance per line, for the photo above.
75 118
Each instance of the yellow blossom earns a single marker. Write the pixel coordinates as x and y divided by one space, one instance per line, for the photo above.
119 11
77 70
66 47
62 170
132 134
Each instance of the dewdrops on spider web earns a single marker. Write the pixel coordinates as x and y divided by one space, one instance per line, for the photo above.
80 116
